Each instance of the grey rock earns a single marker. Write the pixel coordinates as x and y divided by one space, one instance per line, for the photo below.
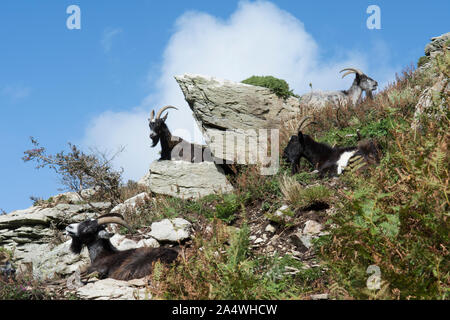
429 97
173 230
437 44
186 180
321 296
123 243
312 228
111 289
57 262
270 228
230 111
29 233
131 204
301 241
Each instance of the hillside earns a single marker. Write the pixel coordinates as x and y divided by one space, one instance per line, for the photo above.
377 233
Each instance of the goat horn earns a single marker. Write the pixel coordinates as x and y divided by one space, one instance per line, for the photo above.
152 115
302 122
351 70
158 115
112 219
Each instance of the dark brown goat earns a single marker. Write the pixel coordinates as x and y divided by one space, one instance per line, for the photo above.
108 261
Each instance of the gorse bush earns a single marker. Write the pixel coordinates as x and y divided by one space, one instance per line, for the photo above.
278 86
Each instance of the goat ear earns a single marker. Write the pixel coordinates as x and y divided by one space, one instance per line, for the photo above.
164 118
300 137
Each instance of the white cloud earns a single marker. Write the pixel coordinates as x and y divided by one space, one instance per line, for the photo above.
107 38
15 92
257 39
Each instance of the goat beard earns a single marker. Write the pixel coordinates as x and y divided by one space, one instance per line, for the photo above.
155 141
76 246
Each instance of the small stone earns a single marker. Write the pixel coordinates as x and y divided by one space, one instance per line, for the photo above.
312 227
259 240
321 296
270 228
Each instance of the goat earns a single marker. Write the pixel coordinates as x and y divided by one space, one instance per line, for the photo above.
108 261
353 95
173 147
326 159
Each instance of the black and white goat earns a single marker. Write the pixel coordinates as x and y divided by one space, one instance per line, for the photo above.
173 147
353 95
108 261
326 159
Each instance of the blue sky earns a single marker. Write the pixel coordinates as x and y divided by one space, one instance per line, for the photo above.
95 87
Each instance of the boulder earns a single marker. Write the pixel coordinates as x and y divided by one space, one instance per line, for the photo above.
228 113
186 180
173 230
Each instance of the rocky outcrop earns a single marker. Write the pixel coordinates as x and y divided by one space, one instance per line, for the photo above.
434 95
186 180
226 111
30 234
438 44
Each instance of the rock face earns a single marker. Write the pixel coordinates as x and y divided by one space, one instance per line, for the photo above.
230 112
186 180
437 44
28 233
58 261
433 96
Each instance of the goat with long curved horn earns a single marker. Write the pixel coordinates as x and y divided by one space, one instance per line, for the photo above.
112 218
184 150
353 95
350 71
107 260
158 115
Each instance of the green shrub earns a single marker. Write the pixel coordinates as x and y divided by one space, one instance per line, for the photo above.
220 271
278 86
226 210
422 60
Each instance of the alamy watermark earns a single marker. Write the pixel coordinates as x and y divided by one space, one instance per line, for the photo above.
259 147
374 281
74 20
374 20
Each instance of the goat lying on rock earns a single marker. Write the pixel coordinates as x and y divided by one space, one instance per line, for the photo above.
326 159
173 147
108 261
353 95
